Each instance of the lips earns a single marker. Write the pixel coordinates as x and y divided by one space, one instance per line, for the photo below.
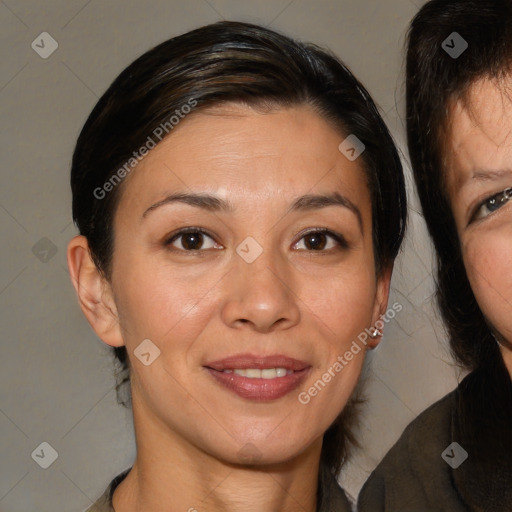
259 378
245 361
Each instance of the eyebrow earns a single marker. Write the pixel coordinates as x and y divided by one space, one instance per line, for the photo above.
204 201
306 202
490 175
314 202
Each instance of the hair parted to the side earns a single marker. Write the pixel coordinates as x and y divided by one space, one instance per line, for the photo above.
434 82
233 62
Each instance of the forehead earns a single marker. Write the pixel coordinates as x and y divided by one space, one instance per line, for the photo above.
249 154
479 131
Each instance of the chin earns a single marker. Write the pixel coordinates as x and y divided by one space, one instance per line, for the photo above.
265 452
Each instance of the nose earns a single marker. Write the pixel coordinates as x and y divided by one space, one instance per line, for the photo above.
260 295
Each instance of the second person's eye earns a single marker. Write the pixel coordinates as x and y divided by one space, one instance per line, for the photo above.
491 204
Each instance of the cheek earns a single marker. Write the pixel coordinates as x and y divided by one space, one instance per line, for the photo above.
340 308
488 261
343 305
156 300
342 297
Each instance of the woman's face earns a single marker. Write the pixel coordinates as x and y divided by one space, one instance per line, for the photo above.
244 242
479 182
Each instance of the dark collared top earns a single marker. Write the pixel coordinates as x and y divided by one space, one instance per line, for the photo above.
426 472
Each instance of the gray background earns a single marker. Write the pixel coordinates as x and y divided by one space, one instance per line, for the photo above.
56 377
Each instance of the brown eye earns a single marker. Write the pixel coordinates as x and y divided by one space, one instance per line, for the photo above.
315 241
321 241
191 240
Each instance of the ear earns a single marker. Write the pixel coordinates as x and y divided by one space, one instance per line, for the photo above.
94 292
380 305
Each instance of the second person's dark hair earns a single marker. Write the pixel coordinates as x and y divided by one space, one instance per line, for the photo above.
435 80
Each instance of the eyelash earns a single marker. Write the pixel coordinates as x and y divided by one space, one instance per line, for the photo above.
503 197
340 239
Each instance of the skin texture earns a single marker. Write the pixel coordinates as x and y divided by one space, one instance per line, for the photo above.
292 300
480 166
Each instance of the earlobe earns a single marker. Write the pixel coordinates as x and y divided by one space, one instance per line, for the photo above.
94 292
380 306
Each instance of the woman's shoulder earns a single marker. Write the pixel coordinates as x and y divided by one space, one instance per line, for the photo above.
104 504
415 473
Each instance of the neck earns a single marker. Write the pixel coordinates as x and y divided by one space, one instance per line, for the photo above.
170 470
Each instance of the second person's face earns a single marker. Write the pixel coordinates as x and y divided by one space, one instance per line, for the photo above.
479 163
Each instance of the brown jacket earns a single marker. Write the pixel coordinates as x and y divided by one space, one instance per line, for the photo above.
332 497
425 472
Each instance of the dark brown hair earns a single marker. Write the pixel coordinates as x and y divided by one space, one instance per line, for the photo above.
435 80
232 62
